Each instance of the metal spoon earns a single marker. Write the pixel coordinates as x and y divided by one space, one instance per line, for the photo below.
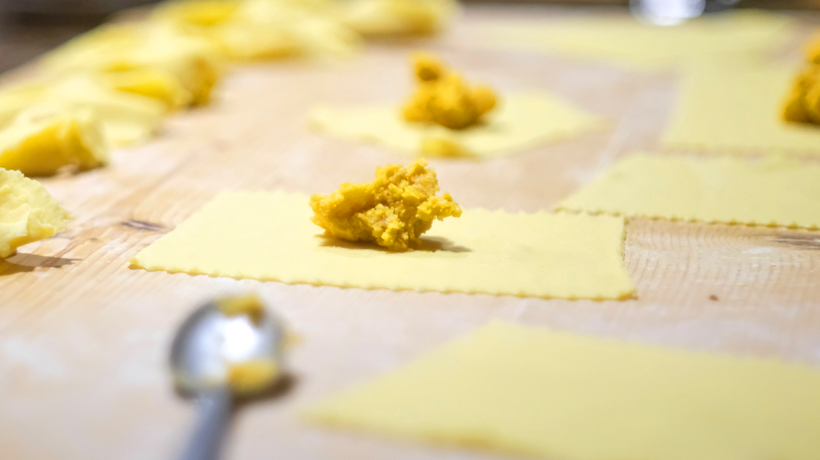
207 344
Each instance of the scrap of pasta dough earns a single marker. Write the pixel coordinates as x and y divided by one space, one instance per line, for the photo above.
262 29
709 116
311 23
126 118
722 190
197 13
27 212
393 211
396 17
482 252
151 82
150 59
237 35
444 98
532 392
47 137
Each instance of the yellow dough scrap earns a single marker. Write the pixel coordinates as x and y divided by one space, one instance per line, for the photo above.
27 212
396 17
321 37
393 211
125 117
306 27
193 62
273 239
198 13
725 190
443 97
263 29
252 376
252 41
532 392
250 305
45 138
221 23
151 82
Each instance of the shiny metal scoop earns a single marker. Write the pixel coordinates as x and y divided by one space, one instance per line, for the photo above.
207 344
667 12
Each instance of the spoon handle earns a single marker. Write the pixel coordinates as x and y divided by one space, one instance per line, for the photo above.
205 443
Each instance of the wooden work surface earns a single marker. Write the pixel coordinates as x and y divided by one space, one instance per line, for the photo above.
84 338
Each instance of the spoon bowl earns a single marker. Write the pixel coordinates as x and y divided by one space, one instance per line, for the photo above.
209 347
209 342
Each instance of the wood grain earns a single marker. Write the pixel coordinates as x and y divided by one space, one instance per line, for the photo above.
84 338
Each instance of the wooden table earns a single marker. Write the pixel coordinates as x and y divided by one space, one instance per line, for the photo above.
84 338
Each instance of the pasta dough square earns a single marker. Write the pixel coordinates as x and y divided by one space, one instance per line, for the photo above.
722 109
773 192
521 121
269 237
534 392
625 41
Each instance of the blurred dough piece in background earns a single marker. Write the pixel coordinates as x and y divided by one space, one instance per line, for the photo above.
147 58
27 212
250 30
46 137
378 18
126 118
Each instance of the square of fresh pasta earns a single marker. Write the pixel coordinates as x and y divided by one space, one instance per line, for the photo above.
268 236
628 42
521 121
538 393
738 110
772 192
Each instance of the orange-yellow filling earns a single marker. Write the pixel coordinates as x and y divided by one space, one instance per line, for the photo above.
393 211
444 97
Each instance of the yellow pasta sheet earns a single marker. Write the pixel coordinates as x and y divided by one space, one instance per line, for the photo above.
555 395
522 120
269 236
721 109
627 42
773 192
